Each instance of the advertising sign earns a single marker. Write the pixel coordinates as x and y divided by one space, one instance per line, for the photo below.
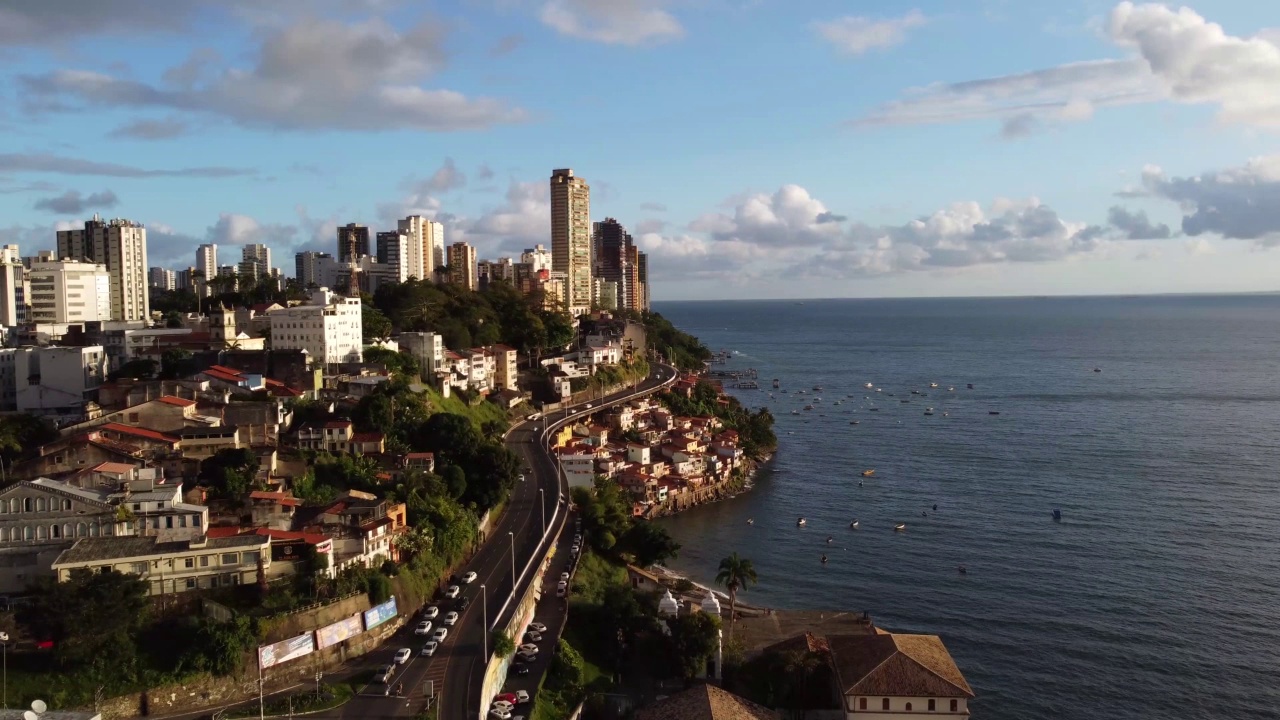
378 614
339 631
286 650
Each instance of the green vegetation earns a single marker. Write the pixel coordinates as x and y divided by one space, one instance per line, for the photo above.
735 574
22 434
501 643
612 530
229 473
681 349
755 430
797 679
297 703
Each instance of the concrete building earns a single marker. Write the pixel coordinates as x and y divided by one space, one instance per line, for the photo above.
609 243
15 291
491 271
312 268
605 294
207 266
172 566
571 237
162 278
121 246
353 241
393 252
70 291
462 265
425 250
642 277
255 260
890 676
329 328
54 382
537 257
427 347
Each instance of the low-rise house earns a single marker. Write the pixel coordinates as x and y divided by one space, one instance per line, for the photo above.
339 436
423 461
75 453
638 453
165 414
889 676
199 443
506 369
151 442
174 566
705 702
273 509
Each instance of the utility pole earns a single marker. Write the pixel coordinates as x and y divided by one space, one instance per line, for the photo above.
512 537
484 609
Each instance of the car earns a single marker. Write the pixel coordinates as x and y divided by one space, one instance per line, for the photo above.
453 591
384 673
430 648
424 628
508 698
522 696
588 406
526 656
521 477
522 669
469 578
562 591
440 634
501 713
464 603
562 584
564 577
431 612
403 655
450 618
577 538
537 627
529 648
532 637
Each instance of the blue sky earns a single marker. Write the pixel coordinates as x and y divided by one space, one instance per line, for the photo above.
756 148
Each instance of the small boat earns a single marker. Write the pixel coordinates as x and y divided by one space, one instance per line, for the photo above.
751 521
963 570
853 422
824 559
951 389
817 388
933 385
945 414
873 409
993 412
1057 514
808 407
791 432
859 483
1097 369
801 522
867 385
935 507
795 412
879 389
928 411
829 539
776 383
924 513
969 386
854 525
900 527
889 394
915 392
904 401
868 473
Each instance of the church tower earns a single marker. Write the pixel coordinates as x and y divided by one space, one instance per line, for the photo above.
222 326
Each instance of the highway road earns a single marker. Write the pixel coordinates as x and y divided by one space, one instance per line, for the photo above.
456 671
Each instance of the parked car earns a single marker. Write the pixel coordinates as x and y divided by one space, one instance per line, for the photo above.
532 637
440 634
501 713
508 698
529 648
521 477
562 591
384 673
527 656
522 669
537 627
452 592
431 612
450 619
430 648
564 577
562 584
424 628
469 578
403 655
464 603
522 696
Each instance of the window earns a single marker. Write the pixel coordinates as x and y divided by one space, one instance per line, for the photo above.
884 704
908 707
191 583
40 505
55 532
66 504
168 522
862 703
933 705
26 533
204 561
133 417
138 568
230 559
189 563
955 705
42 533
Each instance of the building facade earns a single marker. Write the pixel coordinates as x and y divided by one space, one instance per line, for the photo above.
329 328
571 237
255 261
353 241
393 252
162 278
537 257
425 250
206 266
462 265
70 291
174 566
15 291
121 246
311 268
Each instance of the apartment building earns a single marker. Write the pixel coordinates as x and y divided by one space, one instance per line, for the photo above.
172 566
393 252
329 328
353 242
462 265
70 291
571 237
121 246
425 251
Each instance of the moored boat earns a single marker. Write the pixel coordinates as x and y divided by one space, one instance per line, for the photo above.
801 522
854 524
900 527
868 473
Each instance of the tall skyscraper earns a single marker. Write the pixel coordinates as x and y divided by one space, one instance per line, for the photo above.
393 251
571 237
258 258
609 243
311 267
353 242
14 287
462 265
631 291
207 267
121 246
642 274
162 278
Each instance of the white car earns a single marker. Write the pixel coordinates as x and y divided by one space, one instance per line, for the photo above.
450 618
469 578
564 577
440 634
430 648
521 477
501 713
452 592
384 673
424 628
533 637
527 656
403 655
522 696
537 627
562 584
431 612
562 591
529 648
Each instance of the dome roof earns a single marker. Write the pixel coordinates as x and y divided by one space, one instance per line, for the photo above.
668 605
711 604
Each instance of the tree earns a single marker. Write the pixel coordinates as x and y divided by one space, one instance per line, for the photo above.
649 543
24 434
140 369
501 643
376 326
230 472
735 573
92 619
799 666
694 639
176 363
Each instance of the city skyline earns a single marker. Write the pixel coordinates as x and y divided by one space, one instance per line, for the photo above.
877 151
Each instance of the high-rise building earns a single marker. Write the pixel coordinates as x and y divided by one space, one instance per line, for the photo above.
393 254
14 289
256 261
311 266
353 242
121 246
630 292
330 328
642 274
491 271
426 251
537 257
207 260
571 237
70 291
462 265
162 278
609 243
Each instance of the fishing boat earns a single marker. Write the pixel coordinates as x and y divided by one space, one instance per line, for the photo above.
830 539
900 527
873 409
969 386
817 388
951 389
751 521
1057 514
853 422
808 407
915 392
928 411
867 385
824 559
933 385
795 412
801 522
993 412
1097 369
854 525
868 473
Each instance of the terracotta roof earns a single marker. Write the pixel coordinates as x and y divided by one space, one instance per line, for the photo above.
366 437
285 535
276 497
224 375
225 369
176 401
705 702
221 532
114 467
420 456
895 665
139 432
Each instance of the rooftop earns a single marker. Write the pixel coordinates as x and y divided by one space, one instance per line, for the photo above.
896 666
89 550
705 702
138 432
176 401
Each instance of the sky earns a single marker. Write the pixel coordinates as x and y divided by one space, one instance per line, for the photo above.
754 148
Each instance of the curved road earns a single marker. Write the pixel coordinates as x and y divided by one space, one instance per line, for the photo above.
457 670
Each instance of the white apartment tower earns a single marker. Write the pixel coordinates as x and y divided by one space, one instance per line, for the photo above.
121 246
393 251
425 247
207 266
162 278
538 258
15 289
329 328
68 291
255 260
571 237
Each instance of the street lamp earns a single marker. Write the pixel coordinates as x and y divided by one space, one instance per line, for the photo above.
512 536
4 658
542 502
484 608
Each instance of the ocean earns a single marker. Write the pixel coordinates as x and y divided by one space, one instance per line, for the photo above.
1158 592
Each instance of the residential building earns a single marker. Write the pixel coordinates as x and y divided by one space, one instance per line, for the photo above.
330 328
200 441
506 371
889 676
353 242
207 266
571 237
604 295
174 566
705 702
609 243
427 347
490 271
255 260
314 269
339 436
631 292
121 246
462 265
162 278
537 257
54 382
15 292
393 251
70 291
642 277
425 251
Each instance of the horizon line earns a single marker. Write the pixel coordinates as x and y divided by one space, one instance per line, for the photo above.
1062 296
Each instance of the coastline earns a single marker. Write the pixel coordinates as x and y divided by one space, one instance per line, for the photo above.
724 491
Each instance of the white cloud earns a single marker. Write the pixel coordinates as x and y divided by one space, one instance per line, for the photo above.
447 177
1241 203
236 229
789 217
1173 55
612 22
856 35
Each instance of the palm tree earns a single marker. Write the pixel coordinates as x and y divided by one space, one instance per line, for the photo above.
735 573
799 666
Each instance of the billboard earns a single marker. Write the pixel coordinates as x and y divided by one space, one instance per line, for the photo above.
339 631
379 614
286 650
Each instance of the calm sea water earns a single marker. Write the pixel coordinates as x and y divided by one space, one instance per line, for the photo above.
1157 595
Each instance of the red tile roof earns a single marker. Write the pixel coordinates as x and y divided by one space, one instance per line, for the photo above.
223 532
225 369
139 432
276 497
420 456
176 401
367 437
224 376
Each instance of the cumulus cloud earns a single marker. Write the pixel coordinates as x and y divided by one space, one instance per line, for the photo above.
72 202
1136 225
236 229
1174 55
56 164
651 225
447 177
830 217
163 129
612 22
788 217
856 35
1240 203
316 74
32 23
